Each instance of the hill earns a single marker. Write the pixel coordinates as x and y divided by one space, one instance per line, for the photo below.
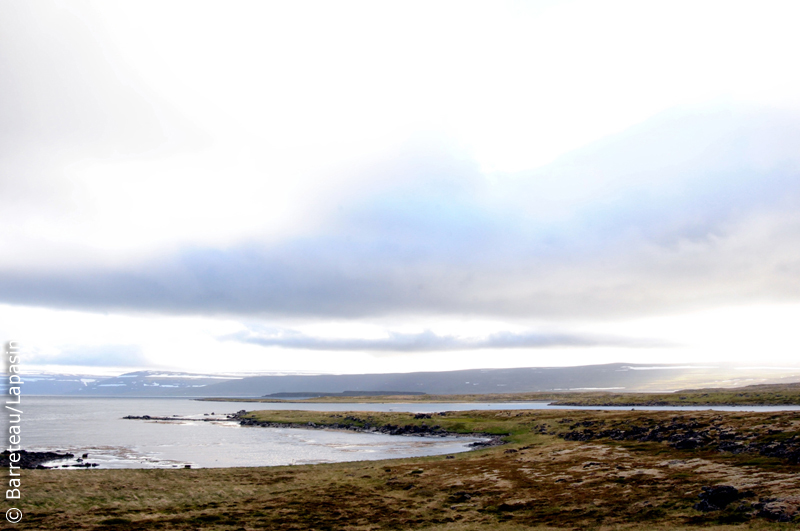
615 377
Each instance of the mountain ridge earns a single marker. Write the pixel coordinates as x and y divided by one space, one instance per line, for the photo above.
618 377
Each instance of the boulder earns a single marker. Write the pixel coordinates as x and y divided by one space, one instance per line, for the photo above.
717 498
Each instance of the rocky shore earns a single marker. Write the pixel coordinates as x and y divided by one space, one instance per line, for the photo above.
179 418
635 403
349 423
352 423
34 460
692 434
659 403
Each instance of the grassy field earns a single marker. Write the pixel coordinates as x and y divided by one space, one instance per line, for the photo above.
559 469
770 394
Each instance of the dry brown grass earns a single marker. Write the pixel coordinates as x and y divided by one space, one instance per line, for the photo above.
537 481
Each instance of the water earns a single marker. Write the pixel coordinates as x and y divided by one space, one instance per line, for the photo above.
96 426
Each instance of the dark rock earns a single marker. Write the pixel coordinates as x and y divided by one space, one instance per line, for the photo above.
508 507
771 509
777 514
732 447
689 443
717 498
32 460
459 497
655 435
363 426
494 441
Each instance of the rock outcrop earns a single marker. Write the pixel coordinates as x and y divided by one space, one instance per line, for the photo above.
32 460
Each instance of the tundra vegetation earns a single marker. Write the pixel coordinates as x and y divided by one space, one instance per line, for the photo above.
565 469
753 395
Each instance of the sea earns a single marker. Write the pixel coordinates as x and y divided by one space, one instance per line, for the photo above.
95 426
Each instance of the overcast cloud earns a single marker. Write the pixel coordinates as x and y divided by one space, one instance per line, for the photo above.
712 219
562 166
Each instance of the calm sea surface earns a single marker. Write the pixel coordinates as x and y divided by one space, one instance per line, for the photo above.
95 426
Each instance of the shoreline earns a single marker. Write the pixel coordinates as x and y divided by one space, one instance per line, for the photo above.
762 395
385 429
548 404
633 470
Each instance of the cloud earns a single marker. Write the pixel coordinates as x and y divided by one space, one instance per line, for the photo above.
428 341
94 356
70 100
283 172
690 210
62 101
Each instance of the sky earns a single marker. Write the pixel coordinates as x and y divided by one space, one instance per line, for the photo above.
351 187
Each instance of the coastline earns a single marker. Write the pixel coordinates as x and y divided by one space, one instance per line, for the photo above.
764 395
244 418
573 469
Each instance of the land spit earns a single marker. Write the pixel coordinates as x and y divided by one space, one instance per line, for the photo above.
349 423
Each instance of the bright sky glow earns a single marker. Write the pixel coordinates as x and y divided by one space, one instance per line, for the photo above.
399 186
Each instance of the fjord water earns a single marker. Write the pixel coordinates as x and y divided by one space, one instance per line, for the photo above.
96 426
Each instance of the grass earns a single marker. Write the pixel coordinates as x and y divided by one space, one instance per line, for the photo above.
467 422
755 395
538 480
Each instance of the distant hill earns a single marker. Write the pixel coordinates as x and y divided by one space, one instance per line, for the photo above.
140 383
618 377
312 394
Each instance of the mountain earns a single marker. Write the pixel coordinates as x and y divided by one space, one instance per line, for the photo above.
140 383
616 376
